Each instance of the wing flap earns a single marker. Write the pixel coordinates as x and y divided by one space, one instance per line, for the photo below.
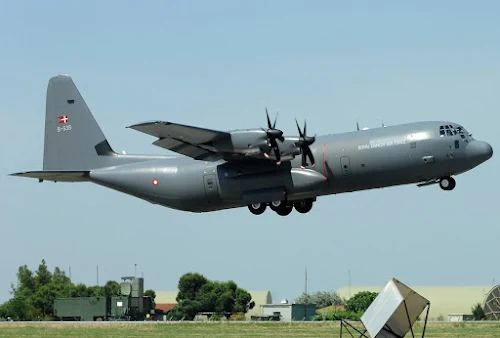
194 151
56 176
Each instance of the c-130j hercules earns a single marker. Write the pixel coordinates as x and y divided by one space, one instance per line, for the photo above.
255 168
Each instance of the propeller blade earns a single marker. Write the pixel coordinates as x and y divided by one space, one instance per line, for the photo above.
304 142
268 120
311 157
276 149
300 131
275 119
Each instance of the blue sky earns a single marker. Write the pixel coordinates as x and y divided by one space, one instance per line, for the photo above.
217 64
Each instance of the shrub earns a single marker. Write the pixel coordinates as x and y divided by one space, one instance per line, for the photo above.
478 312
338 315
238 316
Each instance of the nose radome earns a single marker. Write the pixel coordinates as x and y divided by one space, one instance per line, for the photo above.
479 149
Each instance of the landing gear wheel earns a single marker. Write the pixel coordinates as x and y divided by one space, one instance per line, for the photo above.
447 183
285 211
303 206
276 205
257 208
281 207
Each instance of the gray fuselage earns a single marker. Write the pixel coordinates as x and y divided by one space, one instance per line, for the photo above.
352 161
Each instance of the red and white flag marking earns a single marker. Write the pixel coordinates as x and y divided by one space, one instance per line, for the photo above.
63 119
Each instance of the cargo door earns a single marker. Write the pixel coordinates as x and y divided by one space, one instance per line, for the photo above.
345 164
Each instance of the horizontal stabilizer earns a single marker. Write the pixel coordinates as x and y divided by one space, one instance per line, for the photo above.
56 176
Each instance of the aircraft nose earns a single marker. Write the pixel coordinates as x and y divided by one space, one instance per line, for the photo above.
479 150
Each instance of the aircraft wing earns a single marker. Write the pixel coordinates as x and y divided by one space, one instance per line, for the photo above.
190 141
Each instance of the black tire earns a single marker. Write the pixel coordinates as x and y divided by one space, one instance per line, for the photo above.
257 208
276 205
447 183
285 211
303 206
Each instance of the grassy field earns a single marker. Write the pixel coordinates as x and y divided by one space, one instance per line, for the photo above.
244 329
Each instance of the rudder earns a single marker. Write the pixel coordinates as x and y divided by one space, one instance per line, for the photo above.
73 139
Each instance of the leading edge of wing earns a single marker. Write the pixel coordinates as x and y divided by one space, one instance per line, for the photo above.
189 134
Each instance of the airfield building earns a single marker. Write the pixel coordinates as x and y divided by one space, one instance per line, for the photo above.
287 312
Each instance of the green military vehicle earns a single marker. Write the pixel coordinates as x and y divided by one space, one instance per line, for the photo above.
130 305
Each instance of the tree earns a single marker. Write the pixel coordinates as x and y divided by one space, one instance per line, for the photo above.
322 299
111 288
152 294
34 293
43 275
360 301
198 294
478 312
189 284
243 301
26 282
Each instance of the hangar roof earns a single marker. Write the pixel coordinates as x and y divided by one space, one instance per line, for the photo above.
444 299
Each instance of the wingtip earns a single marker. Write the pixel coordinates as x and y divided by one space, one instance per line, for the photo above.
134 126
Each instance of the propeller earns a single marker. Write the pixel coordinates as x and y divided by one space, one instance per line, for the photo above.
273 134
304 143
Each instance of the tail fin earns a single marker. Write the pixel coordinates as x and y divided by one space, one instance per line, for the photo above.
73 139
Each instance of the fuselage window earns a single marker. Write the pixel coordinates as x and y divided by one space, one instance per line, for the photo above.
457 144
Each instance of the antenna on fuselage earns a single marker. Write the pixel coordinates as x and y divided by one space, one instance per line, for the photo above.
357 125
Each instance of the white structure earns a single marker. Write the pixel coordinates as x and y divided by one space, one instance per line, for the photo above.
460 317
289 312
394 311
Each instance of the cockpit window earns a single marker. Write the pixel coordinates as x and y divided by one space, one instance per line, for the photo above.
449 130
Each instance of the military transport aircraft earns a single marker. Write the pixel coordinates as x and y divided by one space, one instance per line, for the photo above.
253 168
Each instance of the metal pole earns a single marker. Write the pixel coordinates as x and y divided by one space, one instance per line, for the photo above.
307 298
426 316
409 321
349 281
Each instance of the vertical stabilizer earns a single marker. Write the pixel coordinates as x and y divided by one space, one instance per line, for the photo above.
73 139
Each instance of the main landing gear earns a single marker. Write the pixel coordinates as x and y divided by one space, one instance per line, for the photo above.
282 208
447 183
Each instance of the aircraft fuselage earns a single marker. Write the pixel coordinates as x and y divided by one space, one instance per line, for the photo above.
359 160
257 168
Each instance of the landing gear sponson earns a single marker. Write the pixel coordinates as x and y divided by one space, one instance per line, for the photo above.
282 208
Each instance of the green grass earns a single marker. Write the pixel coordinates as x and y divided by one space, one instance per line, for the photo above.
248 329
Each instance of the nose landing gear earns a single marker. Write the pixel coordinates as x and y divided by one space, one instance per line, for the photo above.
447 183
